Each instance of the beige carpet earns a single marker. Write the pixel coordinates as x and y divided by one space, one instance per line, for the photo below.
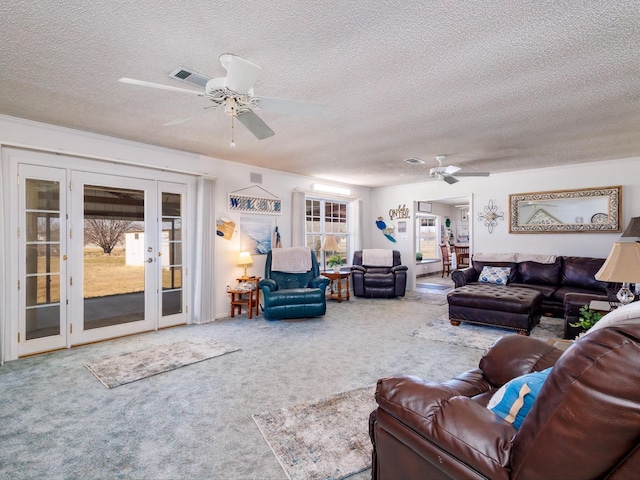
325 439
133 366
480 336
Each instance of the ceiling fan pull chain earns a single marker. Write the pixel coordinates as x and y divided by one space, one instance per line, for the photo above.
233 143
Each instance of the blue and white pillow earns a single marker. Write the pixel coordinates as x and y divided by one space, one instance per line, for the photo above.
515 398
497 275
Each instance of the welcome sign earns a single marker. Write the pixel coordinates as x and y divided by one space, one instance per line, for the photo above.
251 204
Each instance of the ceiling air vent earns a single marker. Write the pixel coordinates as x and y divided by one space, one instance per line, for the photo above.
414 161
189 76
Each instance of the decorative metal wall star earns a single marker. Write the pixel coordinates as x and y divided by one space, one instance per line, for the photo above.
491 216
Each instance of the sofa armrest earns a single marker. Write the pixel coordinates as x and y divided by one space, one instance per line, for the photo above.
462 276
457 425
358 269
513 355
267 285
399 268
319 282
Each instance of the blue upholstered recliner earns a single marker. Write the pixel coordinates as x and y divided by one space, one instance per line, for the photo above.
293 295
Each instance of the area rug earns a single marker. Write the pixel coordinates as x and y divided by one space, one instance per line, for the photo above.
480 336
324 439
133 366
428 298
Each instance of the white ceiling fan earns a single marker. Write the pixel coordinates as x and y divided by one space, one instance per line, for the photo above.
450 172
235 94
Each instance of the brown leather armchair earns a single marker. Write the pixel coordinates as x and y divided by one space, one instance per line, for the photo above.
585 422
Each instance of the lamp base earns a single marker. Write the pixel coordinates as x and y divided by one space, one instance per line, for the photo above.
625 295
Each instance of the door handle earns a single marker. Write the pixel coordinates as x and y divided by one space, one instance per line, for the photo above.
149 260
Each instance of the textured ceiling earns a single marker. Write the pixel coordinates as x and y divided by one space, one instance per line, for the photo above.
494 85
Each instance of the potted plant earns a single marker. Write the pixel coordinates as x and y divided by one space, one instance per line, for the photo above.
418 256
588 318
335 261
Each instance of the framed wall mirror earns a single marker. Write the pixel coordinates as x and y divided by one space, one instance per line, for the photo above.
566 211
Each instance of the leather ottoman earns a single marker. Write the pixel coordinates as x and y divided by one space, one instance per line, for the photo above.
515 308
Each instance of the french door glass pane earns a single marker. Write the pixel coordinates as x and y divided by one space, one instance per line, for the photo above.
171 253
114 256
42 248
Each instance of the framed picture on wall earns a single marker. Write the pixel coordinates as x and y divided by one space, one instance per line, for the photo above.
462 234
255 234
424 207
464 215
402 227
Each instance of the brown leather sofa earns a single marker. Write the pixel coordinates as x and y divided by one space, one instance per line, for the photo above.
554 280
585 422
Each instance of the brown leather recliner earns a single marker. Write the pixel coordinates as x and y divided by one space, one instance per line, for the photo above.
585 422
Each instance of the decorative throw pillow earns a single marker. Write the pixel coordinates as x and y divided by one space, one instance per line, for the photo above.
497 275
515 398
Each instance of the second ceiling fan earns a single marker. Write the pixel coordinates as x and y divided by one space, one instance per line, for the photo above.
449 173
234 93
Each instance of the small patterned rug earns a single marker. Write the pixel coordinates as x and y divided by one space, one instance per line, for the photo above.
325 439
481 336
428 297
133 366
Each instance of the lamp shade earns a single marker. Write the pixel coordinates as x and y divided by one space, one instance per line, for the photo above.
622 264
244 258
633 229
329 244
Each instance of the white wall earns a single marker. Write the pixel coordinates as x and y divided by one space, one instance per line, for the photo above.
233 176
497 187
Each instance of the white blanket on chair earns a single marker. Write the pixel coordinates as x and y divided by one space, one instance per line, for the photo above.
377 257
291 260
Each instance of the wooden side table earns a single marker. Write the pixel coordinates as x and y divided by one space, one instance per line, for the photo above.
238 299
336 281
256 292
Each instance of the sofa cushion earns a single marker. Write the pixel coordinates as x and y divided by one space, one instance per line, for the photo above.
479 265
497 275
515 398
580 272
540 273
546 290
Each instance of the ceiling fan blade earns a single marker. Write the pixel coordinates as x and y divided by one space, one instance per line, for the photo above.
142 83
182 120
472 174
450 180
241 74
451 169
291 107
255 124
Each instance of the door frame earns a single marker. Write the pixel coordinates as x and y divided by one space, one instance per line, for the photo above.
12 156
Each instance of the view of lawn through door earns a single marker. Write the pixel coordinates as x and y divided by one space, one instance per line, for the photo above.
114 256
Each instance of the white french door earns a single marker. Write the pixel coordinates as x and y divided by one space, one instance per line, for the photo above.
99 256
42 259
114 245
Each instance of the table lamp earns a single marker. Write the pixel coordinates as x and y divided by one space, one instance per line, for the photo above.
633 229
622 265
329 244
244 259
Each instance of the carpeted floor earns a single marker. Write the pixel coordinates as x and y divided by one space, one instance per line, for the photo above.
196 422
